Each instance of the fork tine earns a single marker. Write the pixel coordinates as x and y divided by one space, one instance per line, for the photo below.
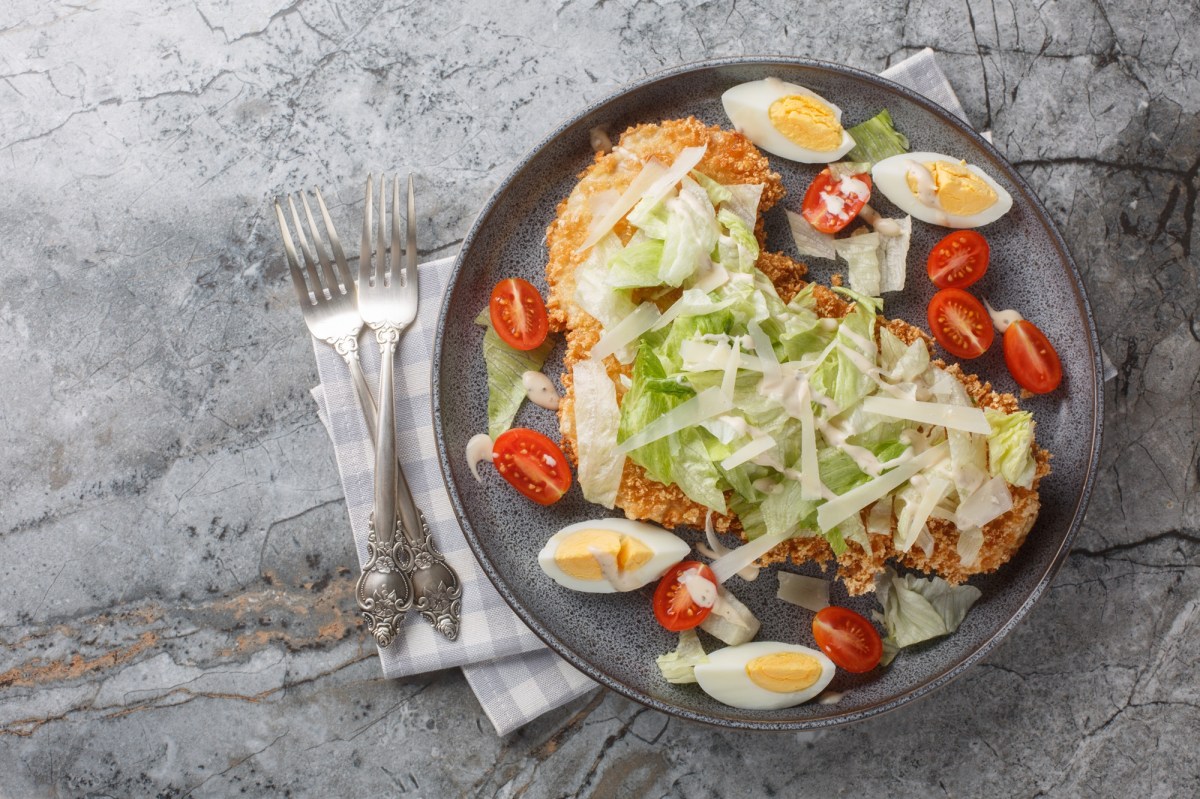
365 264
342 277
411 273
383 276
293 262
397 273
314 280
331 280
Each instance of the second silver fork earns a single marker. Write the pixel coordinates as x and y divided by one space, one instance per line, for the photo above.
387 300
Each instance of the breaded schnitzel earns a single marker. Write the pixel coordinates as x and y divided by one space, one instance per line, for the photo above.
731 159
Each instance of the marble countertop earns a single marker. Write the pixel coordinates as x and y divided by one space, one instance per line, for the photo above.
175 608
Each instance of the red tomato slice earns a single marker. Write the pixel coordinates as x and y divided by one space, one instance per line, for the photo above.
532 464
849 640
960 323
518 314
958 260
673 604
832 214
1031 358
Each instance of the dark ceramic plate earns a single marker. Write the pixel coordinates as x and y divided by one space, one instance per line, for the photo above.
613 638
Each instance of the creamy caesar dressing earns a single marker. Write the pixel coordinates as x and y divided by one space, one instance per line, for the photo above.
1003 319
479 448
540 390
884 227
702 590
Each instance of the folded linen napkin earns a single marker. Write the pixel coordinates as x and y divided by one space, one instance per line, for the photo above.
515 677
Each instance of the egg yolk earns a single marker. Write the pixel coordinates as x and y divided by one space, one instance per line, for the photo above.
574 554
806 121
959 190
784 672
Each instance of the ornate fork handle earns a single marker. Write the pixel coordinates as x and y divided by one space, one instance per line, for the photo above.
347 347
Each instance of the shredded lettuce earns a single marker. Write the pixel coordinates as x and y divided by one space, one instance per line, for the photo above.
810 242
636 265
916 609
679 667
1010 446
861 254
505 369
876 139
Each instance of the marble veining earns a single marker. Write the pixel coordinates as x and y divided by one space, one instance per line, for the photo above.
175 608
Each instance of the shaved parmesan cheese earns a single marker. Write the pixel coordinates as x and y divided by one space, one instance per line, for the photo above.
765 352
842 507
955 417
879 520
644 180
715 549
713 279
597 419
701 356
728 565
910 531
752 450
807 592
626 332
684 163
729 379
990 501
810 473
970 541
705 405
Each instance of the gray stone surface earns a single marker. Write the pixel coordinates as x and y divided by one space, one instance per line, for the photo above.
175 616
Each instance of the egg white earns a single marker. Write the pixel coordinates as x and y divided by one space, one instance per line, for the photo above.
890 176
667 548
724 676
748 104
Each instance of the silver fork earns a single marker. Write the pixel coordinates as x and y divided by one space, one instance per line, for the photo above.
330 310
387 301
330 307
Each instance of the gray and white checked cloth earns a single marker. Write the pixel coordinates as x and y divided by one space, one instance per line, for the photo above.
515 677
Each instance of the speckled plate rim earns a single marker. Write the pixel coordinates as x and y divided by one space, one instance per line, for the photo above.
934 681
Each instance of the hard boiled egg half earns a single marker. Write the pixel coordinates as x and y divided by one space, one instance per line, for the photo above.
578 556
788 120
941 190
764 675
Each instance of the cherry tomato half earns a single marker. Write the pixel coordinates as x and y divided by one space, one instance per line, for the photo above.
960 323
673 604
1031 358
532 464
958 260
849 640
518 313
844 203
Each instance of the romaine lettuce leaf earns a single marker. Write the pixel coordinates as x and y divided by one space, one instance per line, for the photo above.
597 418
876 139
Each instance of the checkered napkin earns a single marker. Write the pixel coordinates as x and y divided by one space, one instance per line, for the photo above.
514 676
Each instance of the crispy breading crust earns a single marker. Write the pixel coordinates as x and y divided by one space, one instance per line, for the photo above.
731 158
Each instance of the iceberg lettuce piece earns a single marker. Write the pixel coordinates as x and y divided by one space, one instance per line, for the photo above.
597 419
861 254
917 609
1010 446
636 265
679 667
505 370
